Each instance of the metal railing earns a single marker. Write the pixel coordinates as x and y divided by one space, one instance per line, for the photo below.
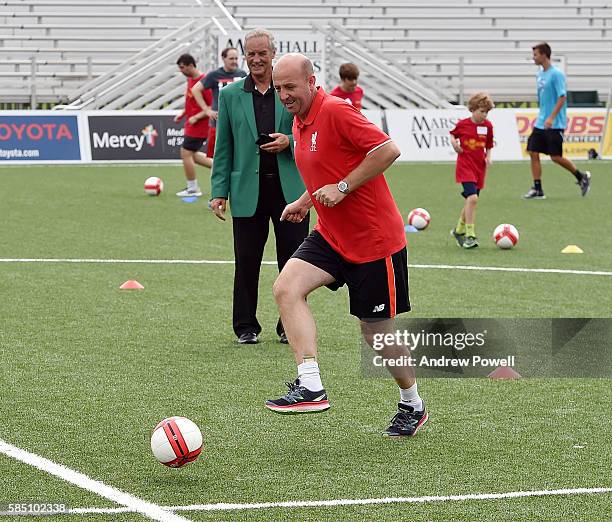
388 85
130 84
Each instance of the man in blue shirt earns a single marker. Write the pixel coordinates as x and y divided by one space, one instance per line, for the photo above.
547 135
216 80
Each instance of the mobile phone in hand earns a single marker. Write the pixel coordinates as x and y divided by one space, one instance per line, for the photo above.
264 138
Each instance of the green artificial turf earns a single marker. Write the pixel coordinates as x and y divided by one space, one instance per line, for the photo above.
88 370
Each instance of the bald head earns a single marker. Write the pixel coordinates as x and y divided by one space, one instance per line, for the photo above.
294 80
296 63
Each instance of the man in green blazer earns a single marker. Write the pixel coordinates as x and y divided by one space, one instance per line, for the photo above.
254 169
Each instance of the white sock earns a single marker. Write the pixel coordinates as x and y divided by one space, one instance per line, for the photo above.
410 397
192 185
309 376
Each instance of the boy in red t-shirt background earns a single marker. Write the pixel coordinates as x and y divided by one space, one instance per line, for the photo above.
348 89
472 139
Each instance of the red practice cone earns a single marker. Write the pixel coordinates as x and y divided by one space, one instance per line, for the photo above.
504 372
132 284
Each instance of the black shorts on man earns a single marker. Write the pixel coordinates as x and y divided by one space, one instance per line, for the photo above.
377 289
469 189
193 144
546 141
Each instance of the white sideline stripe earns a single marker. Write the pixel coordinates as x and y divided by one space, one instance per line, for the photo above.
81 480
230 262
362 501
517 269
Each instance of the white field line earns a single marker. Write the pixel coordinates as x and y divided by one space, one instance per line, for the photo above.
363 501
131 503
273 263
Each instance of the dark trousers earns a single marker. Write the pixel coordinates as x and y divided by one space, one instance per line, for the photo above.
250 236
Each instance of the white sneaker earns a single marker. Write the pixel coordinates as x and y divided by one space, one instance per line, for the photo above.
186 193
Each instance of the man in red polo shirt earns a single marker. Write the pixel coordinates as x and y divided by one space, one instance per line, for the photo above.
358 240
196 114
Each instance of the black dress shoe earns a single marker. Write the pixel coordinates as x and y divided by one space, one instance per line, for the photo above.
248 338
282 338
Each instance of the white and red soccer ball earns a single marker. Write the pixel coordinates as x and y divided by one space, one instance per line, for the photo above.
153 186
419 218
505 236
176 441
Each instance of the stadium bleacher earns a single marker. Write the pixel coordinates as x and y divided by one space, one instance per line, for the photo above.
455 45
489 40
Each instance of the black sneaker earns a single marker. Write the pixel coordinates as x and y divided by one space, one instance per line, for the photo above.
299 400
534 194
585 183
406 421
248 338
458 237
470 242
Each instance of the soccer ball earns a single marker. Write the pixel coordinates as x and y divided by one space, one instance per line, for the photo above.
505 236
153 186
176 441
419 218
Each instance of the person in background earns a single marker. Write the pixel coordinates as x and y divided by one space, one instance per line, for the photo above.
216 80
472 139
254 168
196 114
547 135
348 89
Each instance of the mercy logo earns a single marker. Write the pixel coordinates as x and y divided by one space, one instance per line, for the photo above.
122 141
150 134
313 142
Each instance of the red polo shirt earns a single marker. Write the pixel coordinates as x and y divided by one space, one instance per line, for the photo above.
200 128
329 144
475 140
354 98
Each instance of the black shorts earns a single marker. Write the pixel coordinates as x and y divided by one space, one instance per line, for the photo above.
546 141
377 289
469 189
193 144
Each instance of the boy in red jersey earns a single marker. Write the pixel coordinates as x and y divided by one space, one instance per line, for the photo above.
348 89
472 139
196 126
359 239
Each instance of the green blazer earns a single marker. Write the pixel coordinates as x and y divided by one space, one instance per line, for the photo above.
235 173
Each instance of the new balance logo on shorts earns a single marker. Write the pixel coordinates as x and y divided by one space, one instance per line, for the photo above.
379 308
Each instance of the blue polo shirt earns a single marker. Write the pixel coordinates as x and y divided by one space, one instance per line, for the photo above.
551 85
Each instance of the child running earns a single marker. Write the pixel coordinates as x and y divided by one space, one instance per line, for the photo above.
472 139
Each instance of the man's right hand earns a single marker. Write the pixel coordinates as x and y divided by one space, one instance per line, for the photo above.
178 118
294 212
218 206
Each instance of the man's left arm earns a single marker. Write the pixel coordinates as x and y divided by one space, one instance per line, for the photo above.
551 119
377 161
559 86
